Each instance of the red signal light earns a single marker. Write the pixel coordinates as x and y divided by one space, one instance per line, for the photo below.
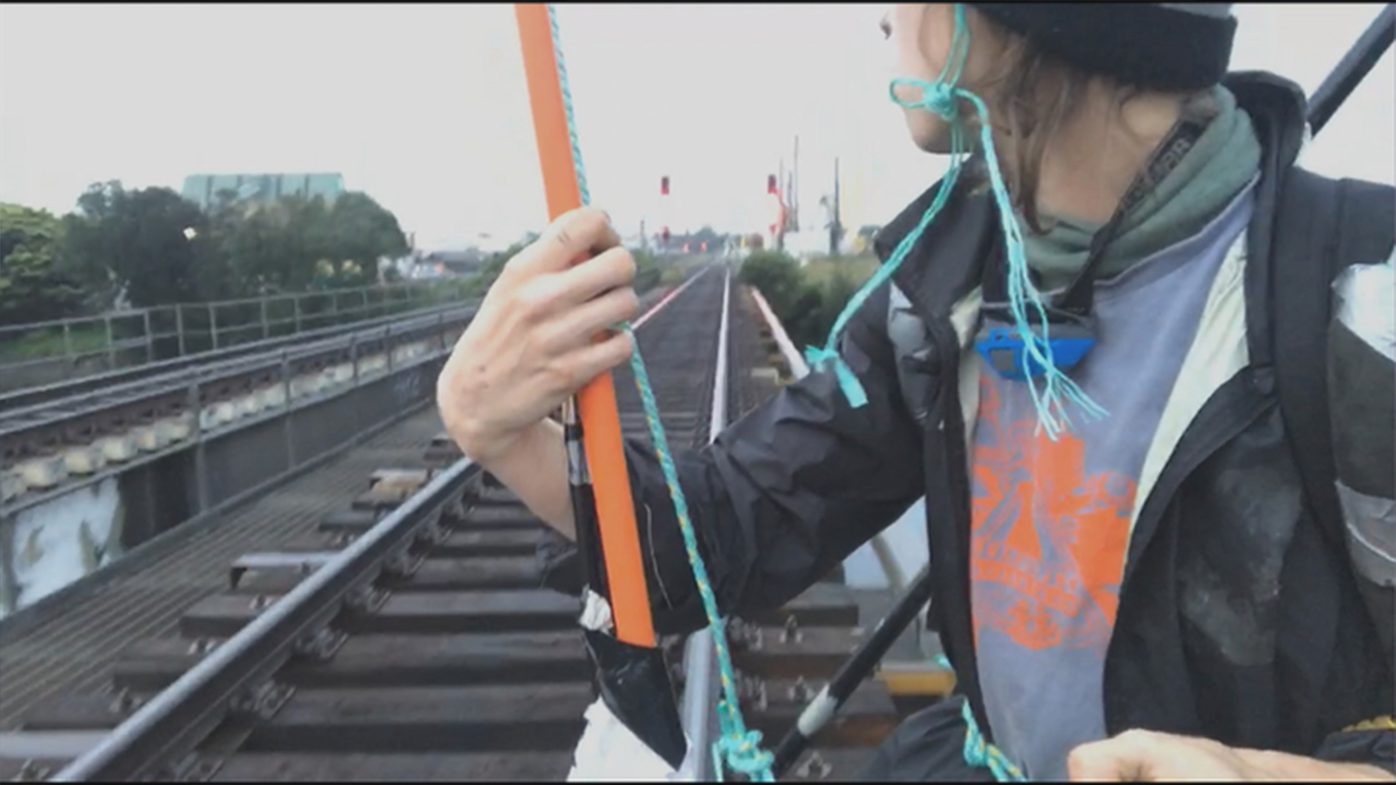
771 184
664 185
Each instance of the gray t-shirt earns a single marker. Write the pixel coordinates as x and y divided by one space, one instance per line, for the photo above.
1051 519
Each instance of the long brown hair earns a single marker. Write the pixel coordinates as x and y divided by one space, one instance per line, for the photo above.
1036 95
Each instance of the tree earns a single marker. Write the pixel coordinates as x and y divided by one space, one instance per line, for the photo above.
777 275
360 232
33 284
806 309
278 247
298 244
152 245
709 236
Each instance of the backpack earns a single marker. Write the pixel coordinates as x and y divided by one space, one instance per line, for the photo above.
1322 226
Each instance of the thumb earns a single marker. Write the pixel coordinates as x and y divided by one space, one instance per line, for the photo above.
1121 759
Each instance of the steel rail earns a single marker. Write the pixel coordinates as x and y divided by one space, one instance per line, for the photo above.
179 717
700 692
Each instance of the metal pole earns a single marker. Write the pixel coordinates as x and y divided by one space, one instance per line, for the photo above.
286 424
795 189
1351 70
836 225
72 362
9 585
358 399
296 305
213 324
149 339
111 343
856 668
179 328
265 330
200 458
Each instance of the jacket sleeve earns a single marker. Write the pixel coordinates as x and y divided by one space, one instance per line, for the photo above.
786 492
1362 402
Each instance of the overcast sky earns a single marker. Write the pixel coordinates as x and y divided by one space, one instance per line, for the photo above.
424 106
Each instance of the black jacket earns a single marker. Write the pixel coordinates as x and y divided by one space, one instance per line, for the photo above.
1282 654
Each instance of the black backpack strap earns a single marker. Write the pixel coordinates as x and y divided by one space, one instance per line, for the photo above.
1322 227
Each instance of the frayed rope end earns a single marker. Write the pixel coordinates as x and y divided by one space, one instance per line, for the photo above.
823 357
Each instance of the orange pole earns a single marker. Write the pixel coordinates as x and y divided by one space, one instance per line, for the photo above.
596 402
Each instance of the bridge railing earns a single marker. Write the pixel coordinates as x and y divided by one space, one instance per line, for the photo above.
39 353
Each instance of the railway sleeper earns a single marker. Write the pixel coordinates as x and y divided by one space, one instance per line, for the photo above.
453 543
429 574
814 765
466 514
413 659
387 660
222 615
533 766
492 718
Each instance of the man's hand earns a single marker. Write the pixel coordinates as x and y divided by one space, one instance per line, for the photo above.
532 343
1140 755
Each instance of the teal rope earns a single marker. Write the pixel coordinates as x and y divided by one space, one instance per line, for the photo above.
567 106
979 752
941 97
736 745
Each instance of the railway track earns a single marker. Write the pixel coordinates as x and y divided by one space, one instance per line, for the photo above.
407 637
50 448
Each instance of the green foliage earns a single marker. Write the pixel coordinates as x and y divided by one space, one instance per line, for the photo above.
299 244
33 285
806 304
648 271
150 244
158 248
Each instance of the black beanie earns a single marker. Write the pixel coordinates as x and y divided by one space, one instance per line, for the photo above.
1163 46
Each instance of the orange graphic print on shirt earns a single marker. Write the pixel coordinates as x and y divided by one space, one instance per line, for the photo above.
1047 547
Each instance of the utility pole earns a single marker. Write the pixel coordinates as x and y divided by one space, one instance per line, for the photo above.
835 223
782 191
664 235
795 189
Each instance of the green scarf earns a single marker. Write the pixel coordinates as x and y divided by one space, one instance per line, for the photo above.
1225 158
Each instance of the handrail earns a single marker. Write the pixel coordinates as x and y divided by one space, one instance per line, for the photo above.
167 325
154 385
29 396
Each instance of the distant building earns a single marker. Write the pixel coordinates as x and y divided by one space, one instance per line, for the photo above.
464 262
204 189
